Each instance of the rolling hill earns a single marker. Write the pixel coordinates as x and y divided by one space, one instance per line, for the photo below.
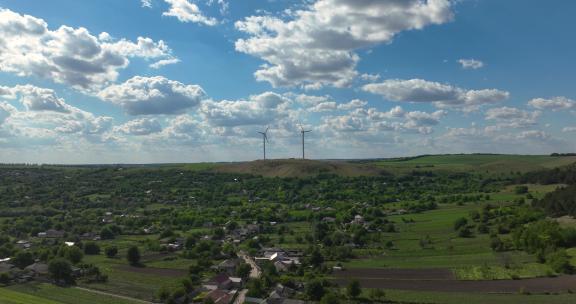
481 163
299 168
487 163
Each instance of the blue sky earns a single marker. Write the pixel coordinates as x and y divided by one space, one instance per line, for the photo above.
194 80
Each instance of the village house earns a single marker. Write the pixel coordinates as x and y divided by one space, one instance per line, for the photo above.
220 296
176 244
6 266
228 266
51 234
359 220
37 269
24 244
108 218
221 281
328 220
282 259
90 236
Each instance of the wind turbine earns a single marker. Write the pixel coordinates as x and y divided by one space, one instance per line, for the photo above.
303 135
265 140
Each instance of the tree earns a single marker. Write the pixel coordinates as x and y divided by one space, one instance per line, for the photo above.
60 270
74 254
315 290
5 278
106 233
459 223
133 256
111 251
521 190
23 259
353 289
163 293
316 258
255 288
244 270
91 248
187 285
465 232
330 298
377 294
559 261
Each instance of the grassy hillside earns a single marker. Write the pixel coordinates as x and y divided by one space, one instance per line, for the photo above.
481 163
299 168
488 163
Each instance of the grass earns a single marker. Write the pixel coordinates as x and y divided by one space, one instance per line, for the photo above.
572 253
527 270
447 249
476 298
8 296
128 283
481 163
43 293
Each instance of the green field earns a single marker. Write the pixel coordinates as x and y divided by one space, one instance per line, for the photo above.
49 294
481 163
140 285
476 298
8 296
469 258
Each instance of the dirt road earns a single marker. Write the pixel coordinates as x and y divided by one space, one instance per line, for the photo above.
256 272
114 295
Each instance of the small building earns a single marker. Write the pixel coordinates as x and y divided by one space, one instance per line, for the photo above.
90 236
249 300
328 220
6 266
236 282
229 266
220 296
220 281
24 244
358 219
51 234
38 269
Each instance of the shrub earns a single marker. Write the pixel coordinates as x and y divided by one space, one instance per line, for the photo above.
111 251
91 248
354 290
459 223
133 256
559 262
60 270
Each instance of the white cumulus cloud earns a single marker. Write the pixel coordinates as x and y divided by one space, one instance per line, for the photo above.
442 95
186 11
68 55
471 64
153 95
554 104
139 127
316 46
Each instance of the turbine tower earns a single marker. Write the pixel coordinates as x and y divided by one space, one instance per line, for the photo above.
303 135
265 140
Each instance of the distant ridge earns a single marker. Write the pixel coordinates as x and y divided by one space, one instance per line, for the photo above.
299 168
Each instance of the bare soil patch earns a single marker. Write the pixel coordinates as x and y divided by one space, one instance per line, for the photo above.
164 272
442 280
398 274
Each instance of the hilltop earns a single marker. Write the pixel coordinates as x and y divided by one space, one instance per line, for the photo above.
483 163
299 168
